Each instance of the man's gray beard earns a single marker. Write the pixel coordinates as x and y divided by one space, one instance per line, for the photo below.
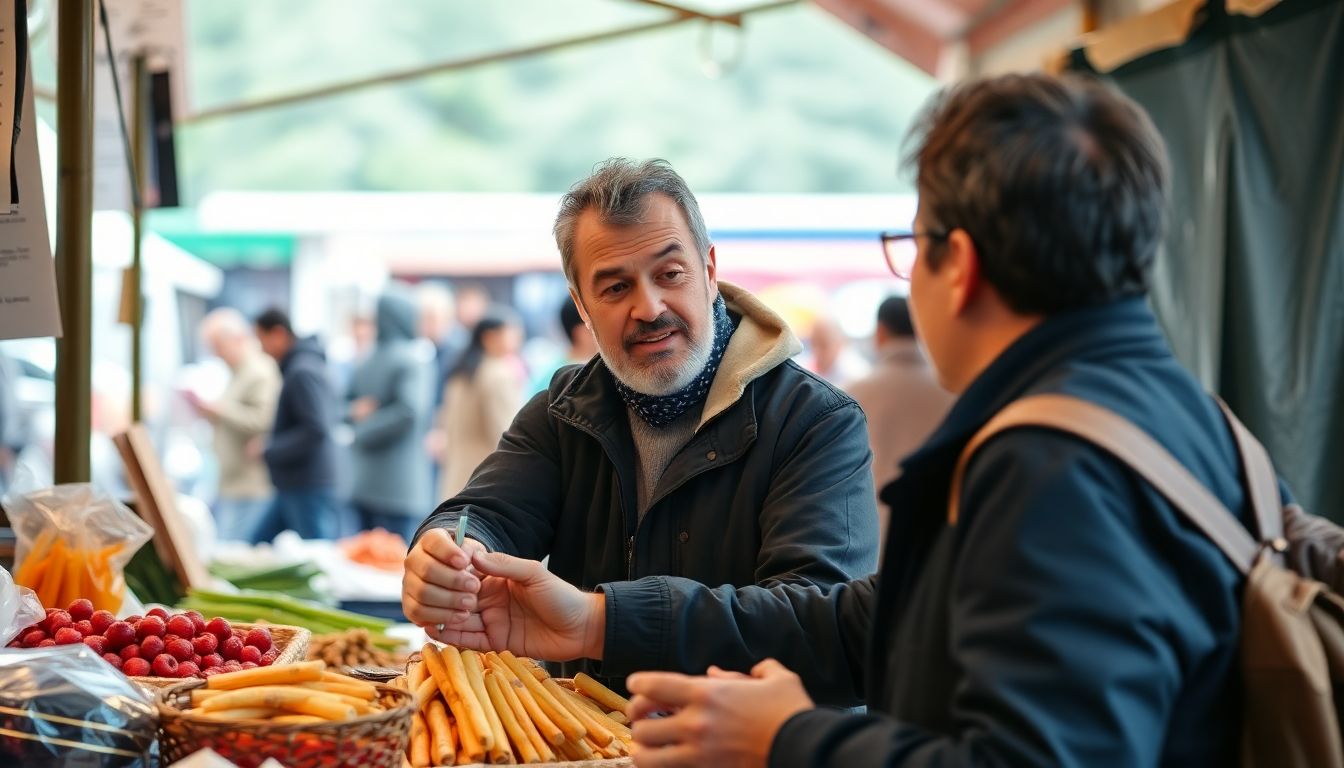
647 381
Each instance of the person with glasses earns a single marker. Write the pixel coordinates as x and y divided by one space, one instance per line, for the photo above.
1063 613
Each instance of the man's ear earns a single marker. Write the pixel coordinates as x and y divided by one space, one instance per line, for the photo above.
712 270
578 304
961 262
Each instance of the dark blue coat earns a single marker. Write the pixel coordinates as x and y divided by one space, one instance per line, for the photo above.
1072 617
300 454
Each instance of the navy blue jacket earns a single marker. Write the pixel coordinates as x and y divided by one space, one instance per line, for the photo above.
301 454
1071 617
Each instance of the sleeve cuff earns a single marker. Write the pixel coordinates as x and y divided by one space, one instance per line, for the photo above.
448 521
637 622
801 734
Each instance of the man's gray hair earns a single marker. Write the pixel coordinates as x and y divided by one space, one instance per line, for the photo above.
619 190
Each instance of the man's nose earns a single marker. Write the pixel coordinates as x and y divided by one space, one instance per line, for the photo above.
648 303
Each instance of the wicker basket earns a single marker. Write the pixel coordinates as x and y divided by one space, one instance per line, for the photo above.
292 643
378 740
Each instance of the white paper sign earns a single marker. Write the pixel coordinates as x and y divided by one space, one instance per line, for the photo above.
28 305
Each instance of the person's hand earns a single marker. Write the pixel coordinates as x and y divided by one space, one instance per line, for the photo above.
438 586
528 610
436 443
362 409
725 719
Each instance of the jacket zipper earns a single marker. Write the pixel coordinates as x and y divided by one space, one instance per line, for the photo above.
630 559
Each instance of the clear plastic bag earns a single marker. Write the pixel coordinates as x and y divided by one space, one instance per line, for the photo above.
74 542
19 608
64 707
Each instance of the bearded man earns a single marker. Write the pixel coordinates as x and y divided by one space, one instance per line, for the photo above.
691 445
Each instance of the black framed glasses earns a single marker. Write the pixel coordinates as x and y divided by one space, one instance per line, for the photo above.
900 250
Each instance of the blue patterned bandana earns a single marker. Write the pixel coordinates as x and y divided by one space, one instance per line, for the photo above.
661 410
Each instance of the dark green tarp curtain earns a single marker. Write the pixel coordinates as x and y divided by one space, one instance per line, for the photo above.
1250 285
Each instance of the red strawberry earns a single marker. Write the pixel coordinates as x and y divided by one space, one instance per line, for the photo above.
197 622
81 609
164 665
84 627
232 648
55 620
188 669
101 620
211 660
219 628
231 666
181 625
151 646
133 619
179 649
159 612
205 644
135 667
97 643
113 659
68 636
268 658
150 625
46 643
32 637
130 652
259 637
119 634
250 653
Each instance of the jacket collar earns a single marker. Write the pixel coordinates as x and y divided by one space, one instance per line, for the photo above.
1091 332
760 342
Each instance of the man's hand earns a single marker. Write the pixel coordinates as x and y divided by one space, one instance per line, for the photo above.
438 586
362 409
528 610
725 719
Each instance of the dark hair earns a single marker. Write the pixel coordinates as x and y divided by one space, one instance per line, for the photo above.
471 357
570 319
1060 182
620 189
274 318
894 315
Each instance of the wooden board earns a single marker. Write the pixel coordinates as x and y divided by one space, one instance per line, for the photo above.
155 501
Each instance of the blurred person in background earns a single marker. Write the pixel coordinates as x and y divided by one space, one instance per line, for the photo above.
900 396
833 357
241 417
300 454
483 395
438 325
389 406
581 346
14 430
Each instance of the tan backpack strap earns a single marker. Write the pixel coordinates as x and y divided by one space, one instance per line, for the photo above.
1121 438
1262 482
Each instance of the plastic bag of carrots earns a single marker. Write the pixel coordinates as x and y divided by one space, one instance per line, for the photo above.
74 542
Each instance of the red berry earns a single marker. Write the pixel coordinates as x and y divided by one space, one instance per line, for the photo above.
151 646
133 619
113 659
171 638
84 627
97 643
81 609
250 653
159 612
130 652
164 665
101 620
46 643
55 620
268 658
232 648
68 636
205 643
188 669
32 637
150 625
219 628
209 672
230 666
211 660
179 649
119 634
136 667
181 626
250 665
197 622
259 637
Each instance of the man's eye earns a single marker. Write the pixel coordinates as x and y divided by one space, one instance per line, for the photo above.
675 274
615 289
